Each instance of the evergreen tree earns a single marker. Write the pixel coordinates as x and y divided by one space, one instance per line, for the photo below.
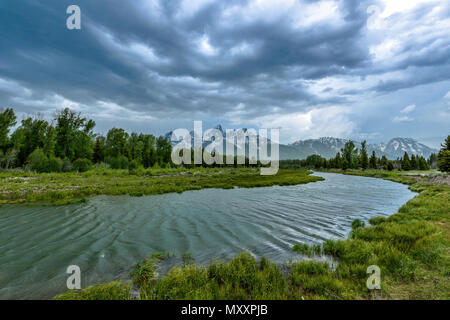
344 164
444 156
432 161
406 163
99 150
349 153
364 157
338 161
413 163
373 160
384 162
422 164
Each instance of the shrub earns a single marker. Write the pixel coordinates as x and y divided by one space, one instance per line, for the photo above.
82 165
357 223
37 161
123 162
133 167
120 162
66 165
377 220
54 164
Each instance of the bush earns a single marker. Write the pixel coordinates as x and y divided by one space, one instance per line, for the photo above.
120 162
37 161
54 164
66 165
123 162
357 223
82 165
133 166
377 220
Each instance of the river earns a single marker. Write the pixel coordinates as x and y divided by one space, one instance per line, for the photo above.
107 235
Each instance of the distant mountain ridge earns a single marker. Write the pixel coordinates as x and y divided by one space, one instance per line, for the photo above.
328 147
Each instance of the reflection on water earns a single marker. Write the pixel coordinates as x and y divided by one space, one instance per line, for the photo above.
107 235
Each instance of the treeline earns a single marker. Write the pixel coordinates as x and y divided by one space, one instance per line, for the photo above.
68 143
352 158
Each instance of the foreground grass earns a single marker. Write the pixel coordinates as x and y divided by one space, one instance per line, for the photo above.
411 248
65 188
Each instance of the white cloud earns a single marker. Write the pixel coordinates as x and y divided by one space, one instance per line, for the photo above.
399 119
408 109
205 46
447 96
316 123
405 114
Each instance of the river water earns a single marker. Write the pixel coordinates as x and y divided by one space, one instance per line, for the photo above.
106 236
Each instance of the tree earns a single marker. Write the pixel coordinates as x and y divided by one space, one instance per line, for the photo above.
7 120
444 156
99 149
422 164
8 159
373 160
338 161
349 153
33 133
432 161
384 162
73 135
116 143
413 162
406 164
163 150
344 164
364 157
390 166
148 152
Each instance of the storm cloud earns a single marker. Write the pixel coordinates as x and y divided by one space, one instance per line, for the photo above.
312 68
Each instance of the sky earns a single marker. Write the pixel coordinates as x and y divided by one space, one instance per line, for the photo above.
370 70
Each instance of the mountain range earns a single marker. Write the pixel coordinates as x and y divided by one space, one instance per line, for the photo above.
328 147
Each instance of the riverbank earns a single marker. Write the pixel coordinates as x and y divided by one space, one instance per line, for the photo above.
67 188
411 248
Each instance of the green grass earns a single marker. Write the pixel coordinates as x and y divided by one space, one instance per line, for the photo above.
411 248
67 188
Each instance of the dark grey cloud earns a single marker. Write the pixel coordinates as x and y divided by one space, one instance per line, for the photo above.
165 60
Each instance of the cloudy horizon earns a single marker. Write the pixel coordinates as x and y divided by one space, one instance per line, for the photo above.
371 70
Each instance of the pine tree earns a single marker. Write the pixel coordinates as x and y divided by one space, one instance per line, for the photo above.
364 157
413 162
444 156
99 149
373 160
406 164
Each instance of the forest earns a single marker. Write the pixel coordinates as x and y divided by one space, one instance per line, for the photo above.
69 143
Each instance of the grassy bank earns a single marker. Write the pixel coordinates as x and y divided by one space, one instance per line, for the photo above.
411 248
65 188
